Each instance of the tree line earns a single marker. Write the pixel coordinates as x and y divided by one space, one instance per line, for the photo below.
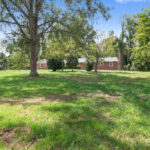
75 37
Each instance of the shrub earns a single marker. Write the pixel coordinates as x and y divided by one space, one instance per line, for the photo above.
72 62
78 67
54 64
89 66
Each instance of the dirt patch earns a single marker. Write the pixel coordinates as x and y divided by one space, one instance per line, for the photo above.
67 98
143 98
59 97
106 96
9 137
83 79
35 100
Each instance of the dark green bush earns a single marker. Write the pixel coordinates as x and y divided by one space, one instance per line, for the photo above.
72 62
89 66
54 64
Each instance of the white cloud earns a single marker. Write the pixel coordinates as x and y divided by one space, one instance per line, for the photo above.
124 1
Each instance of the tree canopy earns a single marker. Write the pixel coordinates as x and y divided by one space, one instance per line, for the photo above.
31 19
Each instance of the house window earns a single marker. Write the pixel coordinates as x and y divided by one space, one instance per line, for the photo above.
101 63
110 64
41 65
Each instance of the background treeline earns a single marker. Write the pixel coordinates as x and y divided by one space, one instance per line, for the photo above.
132 47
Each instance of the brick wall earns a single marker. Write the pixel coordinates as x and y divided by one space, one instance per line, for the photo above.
43 67
104 66
82 66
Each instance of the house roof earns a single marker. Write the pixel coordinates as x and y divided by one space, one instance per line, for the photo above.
110 59
44 61
106 59
82 60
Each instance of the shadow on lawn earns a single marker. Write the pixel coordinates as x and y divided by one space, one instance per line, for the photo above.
79 126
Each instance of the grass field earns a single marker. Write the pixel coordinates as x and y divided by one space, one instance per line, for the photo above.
108 110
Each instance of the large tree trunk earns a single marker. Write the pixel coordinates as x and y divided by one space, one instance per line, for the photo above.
96 65
33 61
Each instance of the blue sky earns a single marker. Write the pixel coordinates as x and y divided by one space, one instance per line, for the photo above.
120 7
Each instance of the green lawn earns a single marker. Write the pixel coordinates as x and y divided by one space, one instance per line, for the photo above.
109 110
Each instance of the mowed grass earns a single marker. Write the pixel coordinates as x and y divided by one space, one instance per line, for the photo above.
108 110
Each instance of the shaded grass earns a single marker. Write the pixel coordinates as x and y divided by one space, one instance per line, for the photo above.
78 122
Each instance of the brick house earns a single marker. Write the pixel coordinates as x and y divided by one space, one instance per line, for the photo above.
42 64
108 63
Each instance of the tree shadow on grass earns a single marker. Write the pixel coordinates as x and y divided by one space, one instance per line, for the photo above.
81 125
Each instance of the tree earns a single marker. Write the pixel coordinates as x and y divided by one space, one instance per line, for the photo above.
54 64
72 62
18 50
120 48
130 23
109 49
34 18
98 50
3 61
142 39
89 65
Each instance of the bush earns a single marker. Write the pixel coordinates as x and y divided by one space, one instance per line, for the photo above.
72 62
54 64
89 66
78 67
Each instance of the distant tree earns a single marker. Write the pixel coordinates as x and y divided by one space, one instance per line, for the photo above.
98 50
130 23
109 50
89 65
72 62
32 19
18 50
3 61
54 64
142 40
120 48
64 45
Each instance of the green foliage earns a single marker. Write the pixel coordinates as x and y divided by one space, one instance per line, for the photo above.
72 62
3 61
18 61
54 64
89 66
142 48
109 49
33 19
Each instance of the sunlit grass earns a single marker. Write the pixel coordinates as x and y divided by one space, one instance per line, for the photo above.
75 110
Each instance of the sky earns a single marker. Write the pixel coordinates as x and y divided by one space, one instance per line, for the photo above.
119 8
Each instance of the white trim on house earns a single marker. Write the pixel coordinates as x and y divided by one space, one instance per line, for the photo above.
111 64
82 60
106 59
42 65
101 64
110 59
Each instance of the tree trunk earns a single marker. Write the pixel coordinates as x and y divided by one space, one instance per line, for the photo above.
121 60
62 66
33 61
96 64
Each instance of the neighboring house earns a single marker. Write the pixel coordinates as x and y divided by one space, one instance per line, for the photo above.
109 63
42 64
